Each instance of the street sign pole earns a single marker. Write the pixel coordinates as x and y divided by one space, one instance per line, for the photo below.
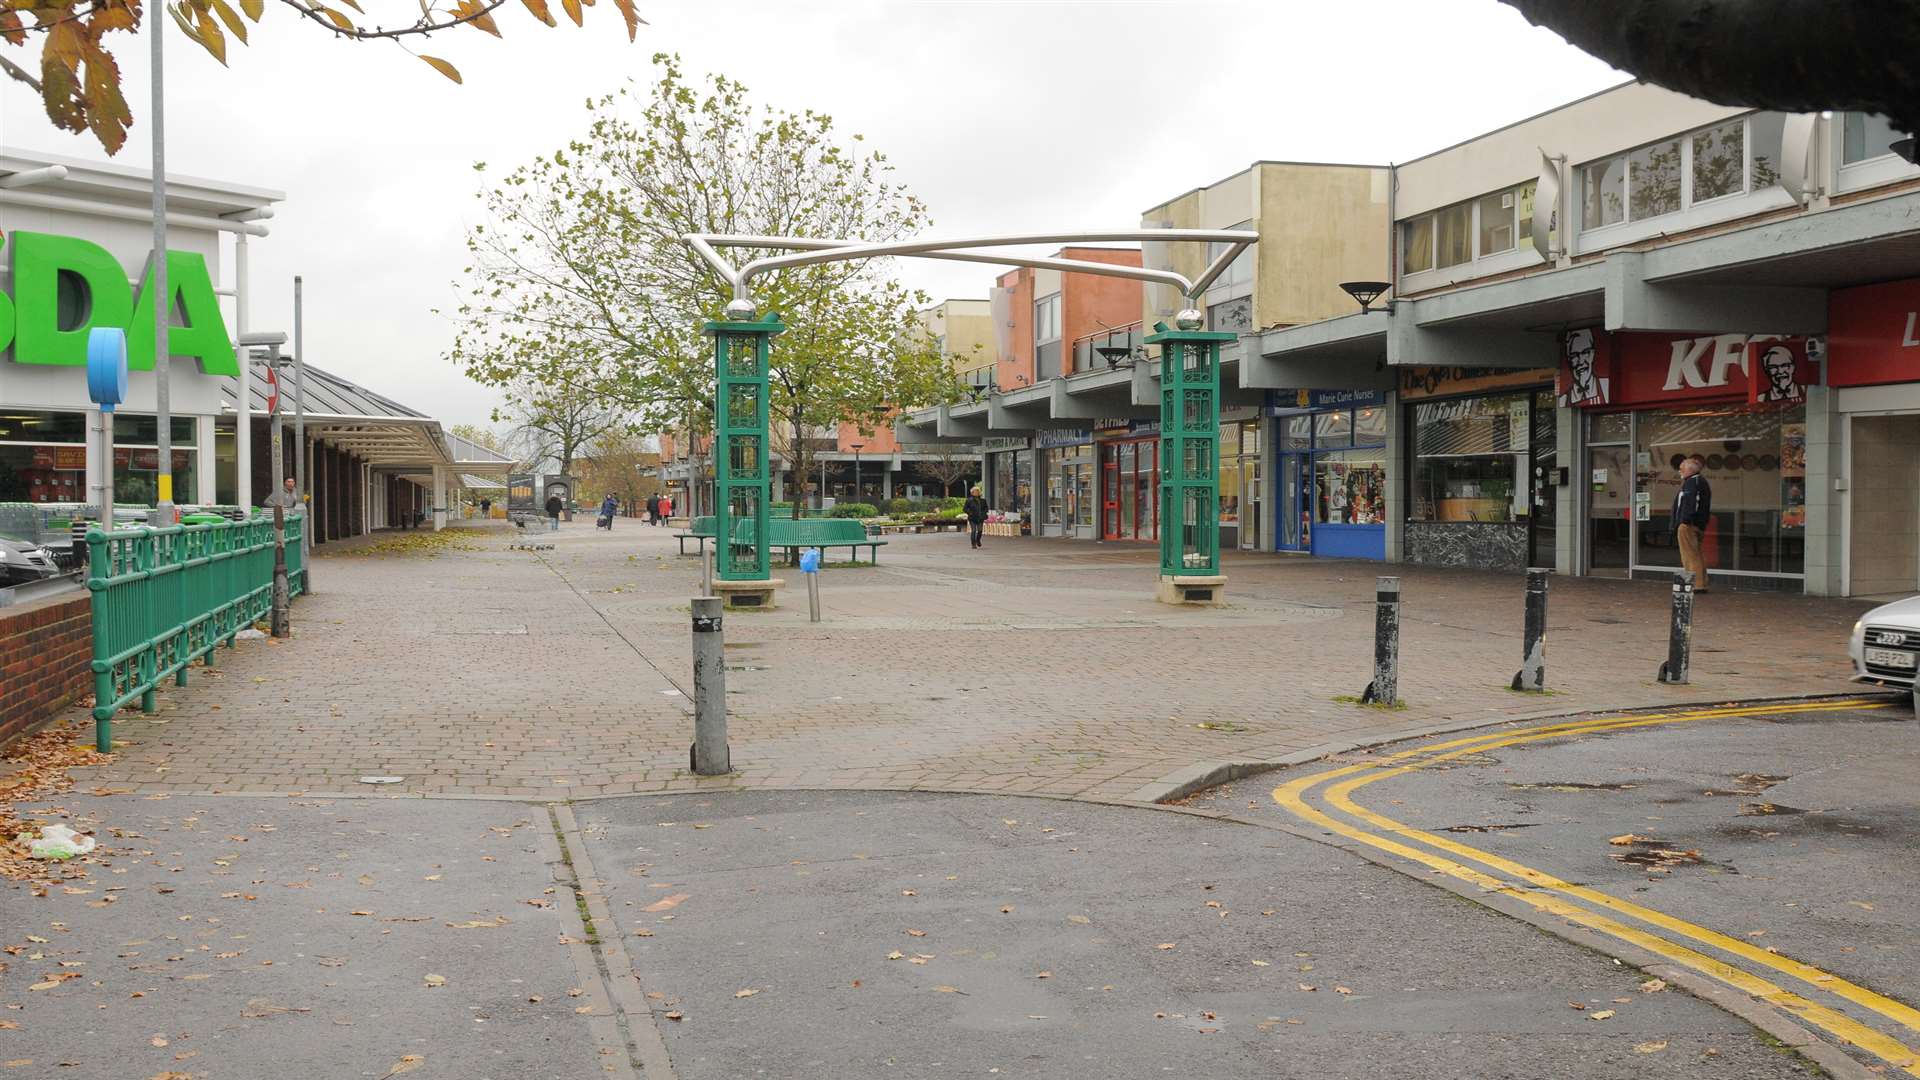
157 282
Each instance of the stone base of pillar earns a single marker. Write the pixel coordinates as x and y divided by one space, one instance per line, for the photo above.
1190 589
760 595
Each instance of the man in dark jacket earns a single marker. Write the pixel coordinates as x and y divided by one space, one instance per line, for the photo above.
554 506
976 515
1692 509
653 509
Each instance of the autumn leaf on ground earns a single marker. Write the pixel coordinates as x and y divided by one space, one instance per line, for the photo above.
667 903
676 1015
1603 1014
1308 987
480 924
747 993
436 980
1625 838
1341 990
896 955
951 990
1653 986
1165 945
1079 920
261 1008
1258 963
406 1064
1650 1047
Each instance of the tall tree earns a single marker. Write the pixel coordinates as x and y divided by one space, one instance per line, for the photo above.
558 422
79 79
580 276
1791 55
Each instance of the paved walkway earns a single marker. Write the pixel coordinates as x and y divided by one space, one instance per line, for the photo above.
1032 666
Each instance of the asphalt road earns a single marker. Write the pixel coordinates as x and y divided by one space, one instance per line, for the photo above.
1764 841
868 935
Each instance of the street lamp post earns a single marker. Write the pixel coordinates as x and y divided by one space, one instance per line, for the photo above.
856 470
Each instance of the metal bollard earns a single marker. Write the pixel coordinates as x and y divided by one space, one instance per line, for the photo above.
282 598
810 566
1533 659
1385 687
1680 633
709 750
706 570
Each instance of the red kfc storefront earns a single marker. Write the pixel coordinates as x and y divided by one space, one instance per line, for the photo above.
1646 403
1874 368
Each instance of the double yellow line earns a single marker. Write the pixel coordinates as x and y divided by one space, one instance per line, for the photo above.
1549 894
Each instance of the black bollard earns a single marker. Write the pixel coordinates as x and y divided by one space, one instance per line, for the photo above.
1385 687
1533 659
1680 633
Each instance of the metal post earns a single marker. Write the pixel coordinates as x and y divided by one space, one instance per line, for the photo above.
706 570
106 470
157 281
709 750
300 434
281 600
243 408
1533 658
1680 631
1385 687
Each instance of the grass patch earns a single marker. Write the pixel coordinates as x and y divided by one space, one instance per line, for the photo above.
1354 699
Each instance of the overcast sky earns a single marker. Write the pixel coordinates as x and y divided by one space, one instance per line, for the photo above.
1003 115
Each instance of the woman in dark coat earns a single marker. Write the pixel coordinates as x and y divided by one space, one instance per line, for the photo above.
976 515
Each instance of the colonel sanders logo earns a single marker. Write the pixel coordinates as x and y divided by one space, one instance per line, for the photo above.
1585 384
1780 375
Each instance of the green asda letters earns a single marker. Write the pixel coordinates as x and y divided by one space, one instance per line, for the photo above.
39 260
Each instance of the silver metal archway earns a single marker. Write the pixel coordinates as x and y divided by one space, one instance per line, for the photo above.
962 249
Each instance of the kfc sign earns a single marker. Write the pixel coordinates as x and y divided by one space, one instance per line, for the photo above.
1599 369
1875 334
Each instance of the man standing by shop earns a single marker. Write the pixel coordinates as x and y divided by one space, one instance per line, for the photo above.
1692 509
554 506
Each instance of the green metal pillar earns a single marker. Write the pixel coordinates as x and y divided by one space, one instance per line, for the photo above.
1189 448
742 486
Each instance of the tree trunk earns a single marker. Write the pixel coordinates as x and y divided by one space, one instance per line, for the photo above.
1791 55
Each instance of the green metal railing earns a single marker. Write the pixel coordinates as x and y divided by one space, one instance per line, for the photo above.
164 596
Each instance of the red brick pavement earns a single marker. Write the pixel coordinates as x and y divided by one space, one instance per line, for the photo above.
1032 666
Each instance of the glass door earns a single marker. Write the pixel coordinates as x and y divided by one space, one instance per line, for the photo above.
1110 492
1251 514
1292 534
1610 480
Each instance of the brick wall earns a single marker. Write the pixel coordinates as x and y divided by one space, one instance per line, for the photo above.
45 649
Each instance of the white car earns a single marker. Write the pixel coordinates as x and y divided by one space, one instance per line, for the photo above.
1885 643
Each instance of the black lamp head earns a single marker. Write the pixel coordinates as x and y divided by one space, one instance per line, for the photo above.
1365 292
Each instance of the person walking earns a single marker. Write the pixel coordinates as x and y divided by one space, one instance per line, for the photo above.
1692 510
653 509
976 509
554 506
666 507
486 508
609 508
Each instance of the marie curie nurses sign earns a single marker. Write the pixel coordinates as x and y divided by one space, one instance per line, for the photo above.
63 287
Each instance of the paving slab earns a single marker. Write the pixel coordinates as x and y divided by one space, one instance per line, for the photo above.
869 934
1037 666
222 937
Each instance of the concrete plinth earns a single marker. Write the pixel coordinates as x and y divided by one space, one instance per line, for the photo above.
749 594
1202 590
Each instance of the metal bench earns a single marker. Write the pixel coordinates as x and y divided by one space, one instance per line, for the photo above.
701 529
822 533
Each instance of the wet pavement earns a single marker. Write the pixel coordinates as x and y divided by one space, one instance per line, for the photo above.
1781 843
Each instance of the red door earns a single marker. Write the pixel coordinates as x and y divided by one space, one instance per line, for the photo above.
1109 493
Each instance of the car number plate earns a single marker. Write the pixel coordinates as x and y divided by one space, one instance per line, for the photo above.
1889 658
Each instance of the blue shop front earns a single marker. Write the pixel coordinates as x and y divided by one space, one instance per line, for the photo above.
1330 449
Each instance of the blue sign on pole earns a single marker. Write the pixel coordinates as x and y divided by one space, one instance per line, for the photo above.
107 366
810 561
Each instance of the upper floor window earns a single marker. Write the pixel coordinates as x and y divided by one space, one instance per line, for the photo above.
1046 319
1867 136
1239 271
1734 157
1475 229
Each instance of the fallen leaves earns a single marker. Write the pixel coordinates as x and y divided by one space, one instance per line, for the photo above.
667 903
1653 986
1625 839
261 1008
478 924
896 955
747 993
406 1064
1603 1014
676 1015
1650 1047
915 933
434 981
1044 975
1165 945
950 990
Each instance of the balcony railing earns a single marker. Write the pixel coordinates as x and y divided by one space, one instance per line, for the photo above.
1087 354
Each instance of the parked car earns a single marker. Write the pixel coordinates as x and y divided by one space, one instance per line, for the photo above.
1886 642
21 562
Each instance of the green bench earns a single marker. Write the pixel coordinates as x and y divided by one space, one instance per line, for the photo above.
785 532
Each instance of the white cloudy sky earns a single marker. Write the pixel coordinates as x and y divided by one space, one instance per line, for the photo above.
1004 115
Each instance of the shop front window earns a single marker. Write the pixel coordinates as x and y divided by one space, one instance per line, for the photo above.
1350 487
1754 459
1470 458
